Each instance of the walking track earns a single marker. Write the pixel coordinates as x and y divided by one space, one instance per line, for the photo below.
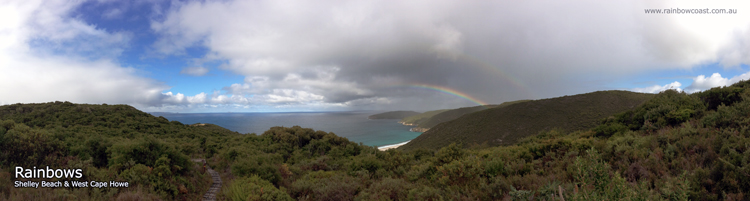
215 186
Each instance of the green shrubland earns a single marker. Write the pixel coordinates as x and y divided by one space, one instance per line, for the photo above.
673 146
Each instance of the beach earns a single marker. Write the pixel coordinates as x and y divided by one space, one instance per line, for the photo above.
393 146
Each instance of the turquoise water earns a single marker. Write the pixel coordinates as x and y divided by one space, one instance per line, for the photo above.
353 125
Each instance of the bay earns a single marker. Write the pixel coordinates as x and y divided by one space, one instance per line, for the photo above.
355 126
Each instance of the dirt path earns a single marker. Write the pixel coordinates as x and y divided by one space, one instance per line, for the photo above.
215 186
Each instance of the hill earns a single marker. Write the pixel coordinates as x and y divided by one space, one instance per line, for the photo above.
108 142
456 113
505 125
674 146
415 120
393 115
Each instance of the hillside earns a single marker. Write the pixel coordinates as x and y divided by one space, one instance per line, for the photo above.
109 142
456 113
415 120
674 146
505 125
393 115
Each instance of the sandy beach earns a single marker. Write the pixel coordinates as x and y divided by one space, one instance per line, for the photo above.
393 146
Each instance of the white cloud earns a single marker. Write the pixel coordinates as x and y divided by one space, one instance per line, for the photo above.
292 96
174 98
197 99
194 71
656 88
32 79
48 55
702 82
112 13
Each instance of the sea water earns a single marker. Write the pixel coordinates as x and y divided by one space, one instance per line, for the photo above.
355 126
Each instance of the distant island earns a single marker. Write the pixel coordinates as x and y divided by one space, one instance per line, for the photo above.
393 115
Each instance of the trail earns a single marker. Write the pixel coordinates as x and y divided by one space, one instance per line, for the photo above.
215 186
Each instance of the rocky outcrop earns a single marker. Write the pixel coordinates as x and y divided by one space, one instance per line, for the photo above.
419 129
407 124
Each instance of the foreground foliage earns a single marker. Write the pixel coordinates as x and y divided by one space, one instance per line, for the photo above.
674 146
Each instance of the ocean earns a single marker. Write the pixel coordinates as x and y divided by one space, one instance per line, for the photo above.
353 125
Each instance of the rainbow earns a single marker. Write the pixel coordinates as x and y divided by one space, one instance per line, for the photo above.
449 91
487 67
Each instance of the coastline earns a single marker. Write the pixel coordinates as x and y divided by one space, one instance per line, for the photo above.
392 146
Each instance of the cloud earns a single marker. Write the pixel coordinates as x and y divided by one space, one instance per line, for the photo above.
492 50
48 55
702 82
656 88
197 99
112 13
364 54
194 71
292 96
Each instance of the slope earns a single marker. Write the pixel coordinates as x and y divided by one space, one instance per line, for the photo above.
415 120
456 113
393 115
505 125
118 142
672 147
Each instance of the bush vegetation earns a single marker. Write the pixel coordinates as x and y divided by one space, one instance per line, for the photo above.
674 146
509 122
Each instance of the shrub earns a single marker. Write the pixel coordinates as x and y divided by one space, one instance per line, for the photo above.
720 96
325 185
449 153
27 147
386 189
610 128
425 193
147 151
368 162
254 188
459 172
263 166
495 167
668 108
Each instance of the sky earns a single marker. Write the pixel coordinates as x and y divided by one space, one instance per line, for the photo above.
336 55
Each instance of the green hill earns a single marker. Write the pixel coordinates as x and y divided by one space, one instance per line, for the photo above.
109 143
415 120
393 115
456 113
505 125
674 146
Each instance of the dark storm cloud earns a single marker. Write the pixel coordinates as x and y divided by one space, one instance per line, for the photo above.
360 52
